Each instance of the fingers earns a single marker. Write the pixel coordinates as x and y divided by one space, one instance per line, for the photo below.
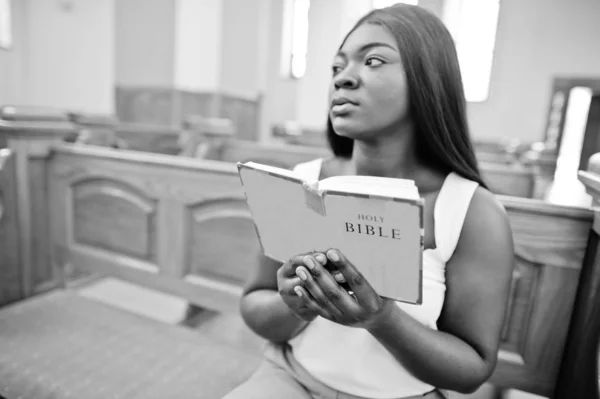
287 285
316 291
311 304
364 293
331 287
325 289
288 269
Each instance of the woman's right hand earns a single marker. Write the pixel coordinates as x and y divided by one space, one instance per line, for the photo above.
287 280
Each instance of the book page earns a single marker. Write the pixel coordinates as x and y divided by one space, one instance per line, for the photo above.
271 169
381 186
285 225
383 239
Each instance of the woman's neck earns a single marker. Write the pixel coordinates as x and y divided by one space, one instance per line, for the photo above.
392 156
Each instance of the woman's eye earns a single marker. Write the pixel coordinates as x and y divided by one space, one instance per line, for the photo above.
372 61
335 69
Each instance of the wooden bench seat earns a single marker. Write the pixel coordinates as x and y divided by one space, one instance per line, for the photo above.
61 345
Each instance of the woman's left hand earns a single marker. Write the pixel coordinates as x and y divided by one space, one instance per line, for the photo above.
322 293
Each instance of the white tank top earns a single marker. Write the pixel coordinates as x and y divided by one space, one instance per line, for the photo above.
350 359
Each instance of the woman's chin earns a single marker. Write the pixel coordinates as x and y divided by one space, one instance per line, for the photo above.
345 127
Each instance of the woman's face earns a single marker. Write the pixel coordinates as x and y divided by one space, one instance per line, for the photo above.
368 93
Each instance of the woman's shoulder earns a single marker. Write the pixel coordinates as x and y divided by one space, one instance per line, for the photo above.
486 220
485 202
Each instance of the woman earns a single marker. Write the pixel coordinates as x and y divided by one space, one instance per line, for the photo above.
397 110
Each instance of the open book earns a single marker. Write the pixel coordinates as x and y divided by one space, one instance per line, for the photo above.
375 222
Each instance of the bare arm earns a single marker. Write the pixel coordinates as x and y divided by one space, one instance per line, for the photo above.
462 354
263 308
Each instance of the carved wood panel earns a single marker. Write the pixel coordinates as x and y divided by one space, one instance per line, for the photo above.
113 216
223 243
520 307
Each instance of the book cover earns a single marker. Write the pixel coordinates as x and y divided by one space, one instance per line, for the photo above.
377 223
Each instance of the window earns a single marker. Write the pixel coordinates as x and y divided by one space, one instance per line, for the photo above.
295 38
566 186
5 28
473 24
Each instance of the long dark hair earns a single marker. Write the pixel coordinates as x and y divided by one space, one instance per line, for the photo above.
437 101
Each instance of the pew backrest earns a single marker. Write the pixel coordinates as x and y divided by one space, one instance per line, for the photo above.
170 223
98 130
512 180
280 155
205 137
150 138
515 180
500 169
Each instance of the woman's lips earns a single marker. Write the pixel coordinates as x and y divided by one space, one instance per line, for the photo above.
342 109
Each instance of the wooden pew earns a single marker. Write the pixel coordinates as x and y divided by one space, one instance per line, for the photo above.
205 137
10 273
170 223
150 138
29 133
504 179
124 204
504 151
550 252
514 180
181 226
166 140
543 161
501 173
162 222
98 130
500 167
145 105
143 137
281 155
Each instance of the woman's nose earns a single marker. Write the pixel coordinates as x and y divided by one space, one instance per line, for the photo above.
345 81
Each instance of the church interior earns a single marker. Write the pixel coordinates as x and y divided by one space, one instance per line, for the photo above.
125 238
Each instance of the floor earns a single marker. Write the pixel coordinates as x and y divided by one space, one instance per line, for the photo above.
61 345
228 328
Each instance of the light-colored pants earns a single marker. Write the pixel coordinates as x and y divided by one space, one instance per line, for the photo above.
280 376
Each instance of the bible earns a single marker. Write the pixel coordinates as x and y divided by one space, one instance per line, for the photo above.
376 222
